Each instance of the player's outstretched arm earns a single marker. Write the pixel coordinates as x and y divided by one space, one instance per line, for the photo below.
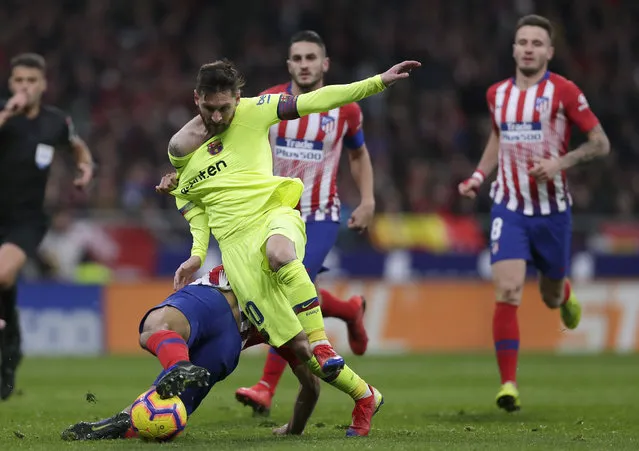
304 403
333 96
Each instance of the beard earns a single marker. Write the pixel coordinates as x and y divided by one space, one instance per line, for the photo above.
308 85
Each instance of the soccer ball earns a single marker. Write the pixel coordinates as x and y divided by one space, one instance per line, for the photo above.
154 418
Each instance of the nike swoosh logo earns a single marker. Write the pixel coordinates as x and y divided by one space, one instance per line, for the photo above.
308 303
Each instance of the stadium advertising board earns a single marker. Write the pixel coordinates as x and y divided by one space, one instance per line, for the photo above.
430 316
58 319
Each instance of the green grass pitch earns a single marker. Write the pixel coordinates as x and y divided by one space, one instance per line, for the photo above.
432 402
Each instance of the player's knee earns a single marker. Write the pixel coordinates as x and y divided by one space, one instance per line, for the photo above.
509 291
279 251
149 329
161 319
301 347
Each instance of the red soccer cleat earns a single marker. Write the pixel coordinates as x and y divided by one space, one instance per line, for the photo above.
329 361
258 396
357 336
363 413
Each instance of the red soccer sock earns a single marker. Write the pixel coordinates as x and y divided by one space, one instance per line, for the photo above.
567 291
334 307
168 346
273 369
506 337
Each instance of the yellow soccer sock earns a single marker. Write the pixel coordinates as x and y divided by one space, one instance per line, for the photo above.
300 292
315 367
349 382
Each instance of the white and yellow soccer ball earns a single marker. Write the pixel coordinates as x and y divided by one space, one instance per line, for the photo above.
154 418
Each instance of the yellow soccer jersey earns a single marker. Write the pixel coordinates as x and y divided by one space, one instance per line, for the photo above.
228 182
231 176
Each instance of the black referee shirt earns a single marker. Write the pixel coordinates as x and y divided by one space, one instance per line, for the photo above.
27 148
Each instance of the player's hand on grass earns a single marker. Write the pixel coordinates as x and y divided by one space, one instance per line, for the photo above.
186 271
545 169
399 71
168 183
361 217
85 176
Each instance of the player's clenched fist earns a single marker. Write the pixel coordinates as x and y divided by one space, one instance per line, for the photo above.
399 71
470 187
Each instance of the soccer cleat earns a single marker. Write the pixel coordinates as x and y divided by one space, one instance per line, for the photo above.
259 397
363 413
109 429
508 397
329 361
181 376
357 336
571 312
10 360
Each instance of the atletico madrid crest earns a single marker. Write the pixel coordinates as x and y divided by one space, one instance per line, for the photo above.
542 104
328 124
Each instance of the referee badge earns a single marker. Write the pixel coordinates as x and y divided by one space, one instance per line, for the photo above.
44 156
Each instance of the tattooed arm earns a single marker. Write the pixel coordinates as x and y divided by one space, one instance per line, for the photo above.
596 146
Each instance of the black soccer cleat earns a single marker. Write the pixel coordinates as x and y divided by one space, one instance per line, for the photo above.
109 429
10 361
181 376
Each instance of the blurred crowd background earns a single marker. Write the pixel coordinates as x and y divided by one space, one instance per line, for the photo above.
124 70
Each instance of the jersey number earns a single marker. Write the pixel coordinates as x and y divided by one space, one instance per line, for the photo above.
495 229
254 313
264 99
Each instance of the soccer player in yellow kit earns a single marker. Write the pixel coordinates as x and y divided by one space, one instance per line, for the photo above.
226 187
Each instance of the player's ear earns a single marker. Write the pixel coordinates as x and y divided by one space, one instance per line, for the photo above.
551 52
289 66
326 64
196 97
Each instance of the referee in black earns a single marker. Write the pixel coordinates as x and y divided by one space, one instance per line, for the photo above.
30 133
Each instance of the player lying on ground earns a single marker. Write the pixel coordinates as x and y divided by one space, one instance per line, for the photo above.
226 187
201 329
532 114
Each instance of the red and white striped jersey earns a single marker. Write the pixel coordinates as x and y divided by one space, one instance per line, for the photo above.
532 124
310 148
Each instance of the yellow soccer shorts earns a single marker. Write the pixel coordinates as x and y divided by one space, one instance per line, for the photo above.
253 282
